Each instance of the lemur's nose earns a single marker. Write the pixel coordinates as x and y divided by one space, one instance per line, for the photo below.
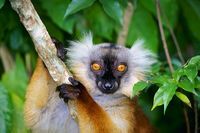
108 86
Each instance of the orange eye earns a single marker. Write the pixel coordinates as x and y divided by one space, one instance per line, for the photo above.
121 67
95 66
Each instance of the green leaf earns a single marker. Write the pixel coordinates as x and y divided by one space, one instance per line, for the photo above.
176 63
139 86
197 82
18 115
177 74
143 26
5 110
56 13
102 25
187 85
170 89
158 97
2 2
183 98
160 80
16 80
113 9
191 72
194 60
164 94
77 5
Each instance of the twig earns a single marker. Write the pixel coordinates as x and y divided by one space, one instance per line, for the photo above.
126 22
163 38
43 43
186 119
172 34
6 58
196 115
158 7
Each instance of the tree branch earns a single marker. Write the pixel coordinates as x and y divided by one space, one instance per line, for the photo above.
42 41
163 38
196 114
158 6
172 34
126 20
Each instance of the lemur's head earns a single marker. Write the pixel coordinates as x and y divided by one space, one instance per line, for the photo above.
107 68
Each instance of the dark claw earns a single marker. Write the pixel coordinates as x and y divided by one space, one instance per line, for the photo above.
61 51
68 91
73 81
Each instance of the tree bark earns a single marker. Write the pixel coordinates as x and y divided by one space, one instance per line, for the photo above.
43 43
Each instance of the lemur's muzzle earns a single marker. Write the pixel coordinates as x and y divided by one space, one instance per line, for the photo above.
108 86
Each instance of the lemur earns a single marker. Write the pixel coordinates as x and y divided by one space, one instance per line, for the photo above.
103 79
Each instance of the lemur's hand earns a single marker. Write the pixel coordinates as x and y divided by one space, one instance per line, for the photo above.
61 51
70 91
67 91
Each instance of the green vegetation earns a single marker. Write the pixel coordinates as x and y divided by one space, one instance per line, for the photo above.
68 19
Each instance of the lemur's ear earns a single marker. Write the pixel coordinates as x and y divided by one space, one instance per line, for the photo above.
79 50
141 57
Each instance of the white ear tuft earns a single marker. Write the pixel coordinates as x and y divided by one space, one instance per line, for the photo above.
87 39
80 50
141 57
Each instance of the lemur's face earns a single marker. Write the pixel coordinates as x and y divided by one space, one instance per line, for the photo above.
107 68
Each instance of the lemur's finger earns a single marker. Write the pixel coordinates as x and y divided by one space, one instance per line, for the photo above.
61 51
73 81
63 86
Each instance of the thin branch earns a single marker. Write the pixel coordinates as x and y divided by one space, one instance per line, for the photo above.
196 115
186 119
126 20
158 7
172 34
163 38
42 41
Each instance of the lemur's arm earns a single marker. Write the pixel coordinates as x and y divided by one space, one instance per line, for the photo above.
44 111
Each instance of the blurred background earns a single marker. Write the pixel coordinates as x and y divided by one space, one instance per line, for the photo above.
105 20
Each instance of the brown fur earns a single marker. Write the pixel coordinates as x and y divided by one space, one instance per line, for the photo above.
92 118
119 117
37 93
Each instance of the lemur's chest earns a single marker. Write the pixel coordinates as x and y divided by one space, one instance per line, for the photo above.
101 116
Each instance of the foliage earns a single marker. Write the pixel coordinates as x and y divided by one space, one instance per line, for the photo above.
68 19
185 78
5 110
